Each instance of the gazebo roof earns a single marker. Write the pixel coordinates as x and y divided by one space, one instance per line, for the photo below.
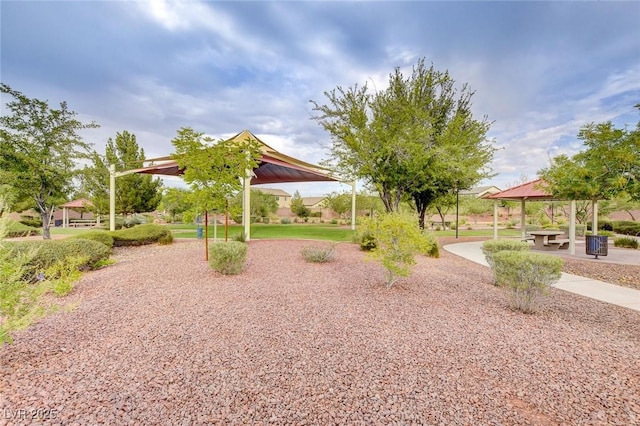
532 191
273 166
78 204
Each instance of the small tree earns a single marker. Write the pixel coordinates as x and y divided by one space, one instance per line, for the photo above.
213 171
297 206
39 150
340 203
176 201
262 204
397 242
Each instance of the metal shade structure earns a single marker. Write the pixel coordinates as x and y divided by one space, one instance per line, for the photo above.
273 167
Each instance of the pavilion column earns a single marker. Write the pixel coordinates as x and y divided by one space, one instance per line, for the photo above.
594 217
112 197
65 219
523 227
572 227
495 219
353 204
246 205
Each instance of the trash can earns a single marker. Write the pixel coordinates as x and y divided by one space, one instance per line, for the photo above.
199 232
597 245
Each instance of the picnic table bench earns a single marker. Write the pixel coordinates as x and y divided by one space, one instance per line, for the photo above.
546 240
82 222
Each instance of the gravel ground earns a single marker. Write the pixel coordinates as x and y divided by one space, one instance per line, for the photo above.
159 338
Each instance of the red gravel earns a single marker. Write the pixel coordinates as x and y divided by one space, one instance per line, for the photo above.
159 338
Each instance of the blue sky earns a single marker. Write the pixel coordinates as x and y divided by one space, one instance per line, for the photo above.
540 70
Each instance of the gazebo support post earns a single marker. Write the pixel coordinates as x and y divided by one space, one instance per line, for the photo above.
523 227
112 197
495 219
572 227
246 205
594 217
353 205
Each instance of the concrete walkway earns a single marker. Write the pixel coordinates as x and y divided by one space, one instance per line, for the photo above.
599 290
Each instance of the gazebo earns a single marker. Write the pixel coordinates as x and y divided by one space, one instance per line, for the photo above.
273 167
531 191
79 204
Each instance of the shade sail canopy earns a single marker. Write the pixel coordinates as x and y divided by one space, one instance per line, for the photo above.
273 166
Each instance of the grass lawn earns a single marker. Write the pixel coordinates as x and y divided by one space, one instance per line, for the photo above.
309 231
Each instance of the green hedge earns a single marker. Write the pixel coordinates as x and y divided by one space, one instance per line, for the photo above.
141 235
626 242
50 252
491 247
17 229
103 237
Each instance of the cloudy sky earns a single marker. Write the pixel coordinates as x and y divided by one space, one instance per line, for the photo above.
540 70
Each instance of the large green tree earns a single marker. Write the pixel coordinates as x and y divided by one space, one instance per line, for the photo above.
135 193
39 150
608 167
417 140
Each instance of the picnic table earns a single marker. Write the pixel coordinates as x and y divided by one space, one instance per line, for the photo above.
546 240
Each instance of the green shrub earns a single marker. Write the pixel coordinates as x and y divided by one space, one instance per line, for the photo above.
241 237
364 238
334 221
103 237
285 220
18 298
491 247
626 242
228 258
627 227
63 274
581 230
602 233
430 246
141 235
31 221
318 253
50 252
527 276
15 229
398 239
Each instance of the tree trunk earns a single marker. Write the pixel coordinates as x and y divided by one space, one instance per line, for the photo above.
45 215
444 226
421 207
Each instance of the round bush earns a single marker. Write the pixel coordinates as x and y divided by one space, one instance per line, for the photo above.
101 236
527 276
228 258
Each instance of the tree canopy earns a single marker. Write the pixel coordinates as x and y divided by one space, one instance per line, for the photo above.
213 170
608 167
415 140
135 193
39 149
